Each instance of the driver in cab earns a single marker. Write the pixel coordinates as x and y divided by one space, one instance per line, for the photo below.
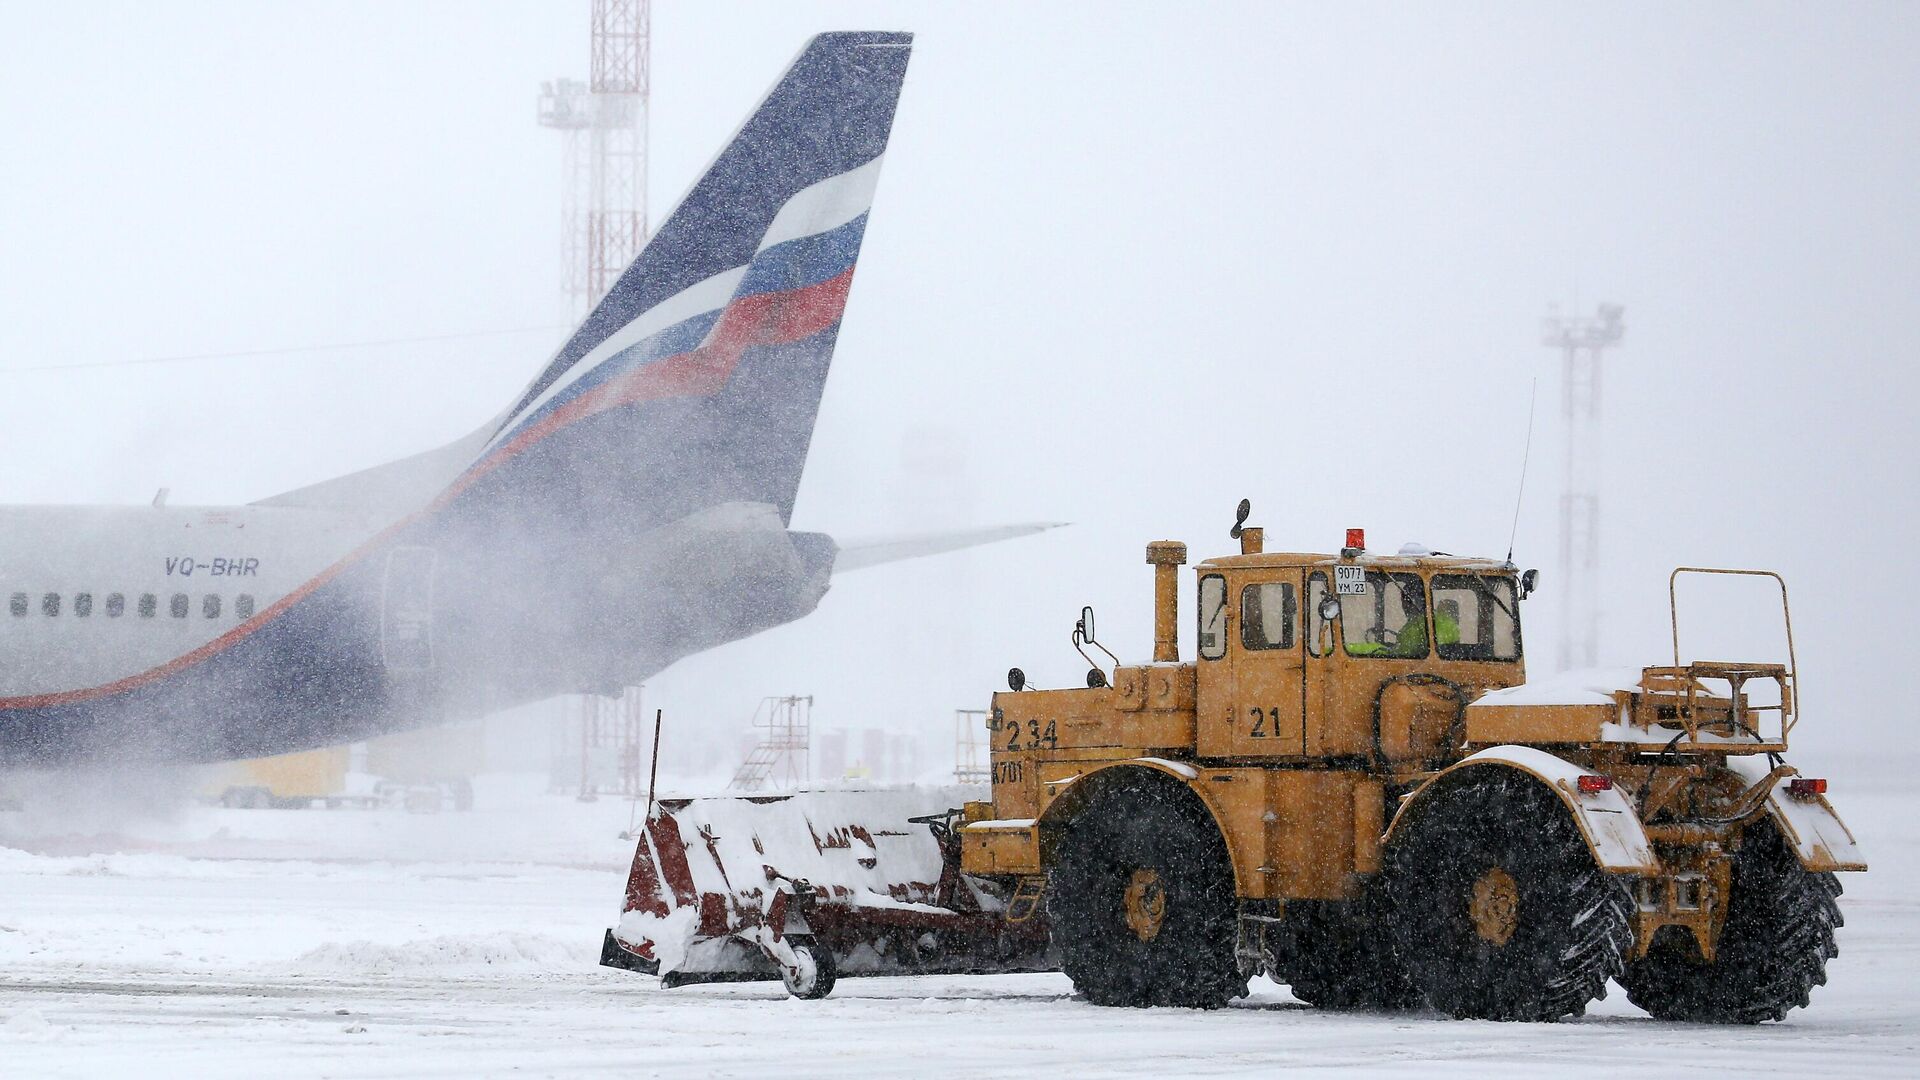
1410 640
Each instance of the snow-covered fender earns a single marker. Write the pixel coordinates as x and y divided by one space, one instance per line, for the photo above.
1808 823
1815 832
1605 818
1061 799
1066 796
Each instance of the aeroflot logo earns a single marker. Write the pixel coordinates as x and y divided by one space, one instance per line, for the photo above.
186 566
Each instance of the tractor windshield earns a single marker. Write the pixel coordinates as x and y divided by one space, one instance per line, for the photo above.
1388 619
1475 617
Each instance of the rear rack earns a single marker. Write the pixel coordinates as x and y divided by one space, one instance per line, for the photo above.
1679 696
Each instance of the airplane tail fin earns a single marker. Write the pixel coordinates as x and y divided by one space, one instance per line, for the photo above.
697 380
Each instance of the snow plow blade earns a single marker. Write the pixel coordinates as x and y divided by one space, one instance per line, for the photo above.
792 886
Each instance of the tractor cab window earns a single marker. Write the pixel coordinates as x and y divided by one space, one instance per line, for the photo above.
1388 619
1475 617
1320 641
1213 617
1267 614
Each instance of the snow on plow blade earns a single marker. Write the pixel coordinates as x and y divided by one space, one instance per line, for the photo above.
847 882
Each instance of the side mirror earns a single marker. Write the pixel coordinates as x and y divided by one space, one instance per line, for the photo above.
1329 608
1528 581
1085 626
1016 680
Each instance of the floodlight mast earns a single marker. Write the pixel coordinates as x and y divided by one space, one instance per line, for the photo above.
603 123
603 128
1581 342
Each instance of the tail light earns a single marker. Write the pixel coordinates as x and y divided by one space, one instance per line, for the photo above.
1807 787
1590 784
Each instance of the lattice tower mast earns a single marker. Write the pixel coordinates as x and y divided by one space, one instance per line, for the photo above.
604 125
1582 343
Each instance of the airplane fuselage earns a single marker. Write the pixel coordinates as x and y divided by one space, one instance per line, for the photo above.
203 633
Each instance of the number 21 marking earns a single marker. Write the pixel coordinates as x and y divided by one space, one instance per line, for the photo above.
1266 724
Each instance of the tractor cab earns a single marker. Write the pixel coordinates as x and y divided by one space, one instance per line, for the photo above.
1352 655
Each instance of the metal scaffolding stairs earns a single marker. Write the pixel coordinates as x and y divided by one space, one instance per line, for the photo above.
780 757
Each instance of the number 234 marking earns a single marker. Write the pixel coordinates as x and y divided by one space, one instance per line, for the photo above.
1036 738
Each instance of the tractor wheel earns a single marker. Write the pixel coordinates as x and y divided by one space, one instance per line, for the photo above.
1772 952
1141 902
1499 911
1337 956
815 974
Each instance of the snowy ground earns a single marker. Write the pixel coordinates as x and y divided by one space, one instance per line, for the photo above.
353 943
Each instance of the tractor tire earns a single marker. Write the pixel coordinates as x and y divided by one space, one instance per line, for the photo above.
1772 952
1141 902
1338 956
1499 912
817 972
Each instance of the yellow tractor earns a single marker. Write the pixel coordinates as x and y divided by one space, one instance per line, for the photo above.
1351 787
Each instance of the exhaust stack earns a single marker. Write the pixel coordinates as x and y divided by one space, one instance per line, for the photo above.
1164 556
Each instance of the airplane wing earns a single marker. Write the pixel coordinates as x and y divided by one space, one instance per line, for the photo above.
860 554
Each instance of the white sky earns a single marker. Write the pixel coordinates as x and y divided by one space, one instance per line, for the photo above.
1129 263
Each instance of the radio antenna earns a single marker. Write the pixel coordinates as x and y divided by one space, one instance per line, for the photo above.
1532 396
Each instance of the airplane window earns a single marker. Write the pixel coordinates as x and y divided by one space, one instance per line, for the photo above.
243 606
116 605
210 606
149 604
50 604
177 607
18 605
83 604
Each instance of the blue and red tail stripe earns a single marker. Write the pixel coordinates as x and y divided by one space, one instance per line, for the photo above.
768 318
790 291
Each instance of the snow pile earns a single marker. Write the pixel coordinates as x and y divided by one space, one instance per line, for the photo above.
515 822
667 935
1587 686
29 1025
15 862
856 843
503 951
117 800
